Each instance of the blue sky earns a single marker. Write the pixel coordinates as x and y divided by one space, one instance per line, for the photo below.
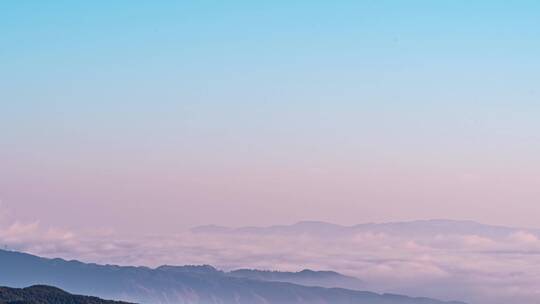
271 108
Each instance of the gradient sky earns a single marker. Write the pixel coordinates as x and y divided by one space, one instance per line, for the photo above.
157 115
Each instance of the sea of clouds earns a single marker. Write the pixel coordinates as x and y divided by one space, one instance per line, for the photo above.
469 267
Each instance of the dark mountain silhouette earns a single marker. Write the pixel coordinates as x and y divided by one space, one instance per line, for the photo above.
179 285
42 294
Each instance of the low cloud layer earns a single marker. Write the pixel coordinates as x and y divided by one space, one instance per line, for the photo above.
471 267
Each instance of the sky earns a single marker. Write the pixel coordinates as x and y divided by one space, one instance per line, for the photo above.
157 116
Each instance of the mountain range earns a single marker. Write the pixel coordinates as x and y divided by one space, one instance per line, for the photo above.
189 284
411 228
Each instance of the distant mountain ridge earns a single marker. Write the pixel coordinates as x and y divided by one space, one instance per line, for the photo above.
42 294
180 284
417 228
305 277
